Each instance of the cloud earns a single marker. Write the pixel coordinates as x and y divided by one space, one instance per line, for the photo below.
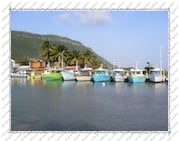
65 17
86 17
94 18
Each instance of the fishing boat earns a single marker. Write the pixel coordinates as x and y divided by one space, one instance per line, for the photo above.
155 75
34 76
136 76
84 74
19 74
101 75
118 75
52 75
68 75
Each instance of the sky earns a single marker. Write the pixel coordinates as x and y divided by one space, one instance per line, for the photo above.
121 37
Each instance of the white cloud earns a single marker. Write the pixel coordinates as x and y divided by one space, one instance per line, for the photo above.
65 17
86 18
94 18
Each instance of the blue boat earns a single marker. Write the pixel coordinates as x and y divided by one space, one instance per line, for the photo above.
101 75
136 76
68 75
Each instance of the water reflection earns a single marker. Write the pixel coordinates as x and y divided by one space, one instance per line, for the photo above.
35 82
159 85
54 83
83 84
18 81
100 84
136 85
68 84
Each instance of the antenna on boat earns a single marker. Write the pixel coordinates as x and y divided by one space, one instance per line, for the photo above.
136 65
161 58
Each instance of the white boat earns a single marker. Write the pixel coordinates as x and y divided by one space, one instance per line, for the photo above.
68 75
155 75
20 74
84 74
136 76
118 75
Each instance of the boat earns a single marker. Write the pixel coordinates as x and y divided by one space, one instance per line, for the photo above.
101 75
84 74
51 75
118 75
136 76
155 75
34 76
19 74
68 75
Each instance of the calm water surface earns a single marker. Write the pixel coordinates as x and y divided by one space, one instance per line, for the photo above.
83 106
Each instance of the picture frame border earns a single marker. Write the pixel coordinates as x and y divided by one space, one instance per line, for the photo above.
44 5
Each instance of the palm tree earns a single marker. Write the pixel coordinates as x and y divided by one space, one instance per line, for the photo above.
89 58
57 52
46 51
74 58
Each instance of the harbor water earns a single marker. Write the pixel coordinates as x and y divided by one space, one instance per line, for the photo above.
38 105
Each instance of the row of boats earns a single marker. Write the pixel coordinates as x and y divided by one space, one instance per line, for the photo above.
101 75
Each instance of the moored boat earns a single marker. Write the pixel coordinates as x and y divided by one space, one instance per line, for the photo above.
136 76
101 75
155 75
84 74
52 75
20 74
68 75
35 76
118 75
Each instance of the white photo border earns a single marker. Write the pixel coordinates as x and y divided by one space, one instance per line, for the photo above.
44 5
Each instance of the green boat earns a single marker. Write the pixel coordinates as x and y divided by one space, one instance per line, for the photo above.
52 75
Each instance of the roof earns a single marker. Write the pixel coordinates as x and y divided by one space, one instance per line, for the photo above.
118 69
139 70
156 69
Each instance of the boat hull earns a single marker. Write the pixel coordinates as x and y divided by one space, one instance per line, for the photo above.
101 78
118 78
67 76
83 78
18 75
136 79
156 79
52 76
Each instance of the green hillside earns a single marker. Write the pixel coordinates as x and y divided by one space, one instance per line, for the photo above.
25 45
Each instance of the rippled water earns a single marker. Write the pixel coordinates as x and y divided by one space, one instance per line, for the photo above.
83 106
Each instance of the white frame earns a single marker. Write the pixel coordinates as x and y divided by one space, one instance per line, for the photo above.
169 5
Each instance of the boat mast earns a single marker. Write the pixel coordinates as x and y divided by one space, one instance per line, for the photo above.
161 58
136 65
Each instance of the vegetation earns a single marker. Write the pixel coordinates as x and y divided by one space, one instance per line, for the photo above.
25 46
54 53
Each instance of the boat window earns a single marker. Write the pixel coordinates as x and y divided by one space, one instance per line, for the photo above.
157 73
118 73
84 72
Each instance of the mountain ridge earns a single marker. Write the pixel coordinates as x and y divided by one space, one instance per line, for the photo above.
26 45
